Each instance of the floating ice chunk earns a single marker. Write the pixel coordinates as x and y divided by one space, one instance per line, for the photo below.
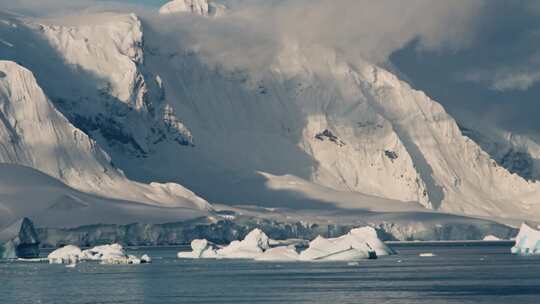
427 255
527 241
104 252
66 255
200 249
113 254
146 259
491 238
359 243
253 245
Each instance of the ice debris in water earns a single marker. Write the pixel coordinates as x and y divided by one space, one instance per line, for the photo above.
359 243
105 254
527 241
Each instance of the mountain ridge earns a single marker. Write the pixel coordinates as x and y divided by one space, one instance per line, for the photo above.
252 137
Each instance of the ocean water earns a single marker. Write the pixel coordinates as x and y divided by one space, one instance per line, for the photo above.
457 274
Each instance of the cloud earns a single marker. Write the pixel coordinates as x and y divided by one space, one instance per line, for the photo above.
257 29
254 31
495 78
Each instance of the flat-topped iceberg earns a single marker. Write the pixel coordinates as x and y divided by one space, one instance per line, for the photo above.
359 243
527 241
105 254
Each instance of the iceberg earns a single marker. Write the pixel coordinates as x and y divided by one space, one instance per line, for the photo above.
69 254
527 241
359 243
19 240
200 249
112 254
104 252
253 245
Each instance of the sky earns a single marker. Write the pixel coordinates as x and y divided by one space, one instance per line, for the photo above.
479 58
496 78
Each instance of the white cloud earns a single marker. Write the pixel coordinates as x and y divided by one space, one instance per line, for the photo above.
255 30
507 77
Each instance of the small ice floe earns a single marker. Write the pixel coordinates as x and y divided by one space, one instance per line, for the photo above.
33 260
72 265
65 255
427 255
353 264
527 241
113 254
146 259
359 243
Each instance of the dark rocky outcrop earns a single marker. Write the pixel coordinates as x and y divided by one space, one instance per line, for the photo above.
19 240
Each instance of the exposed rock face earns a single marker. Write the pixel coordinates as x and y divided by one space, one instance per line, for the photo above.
19 240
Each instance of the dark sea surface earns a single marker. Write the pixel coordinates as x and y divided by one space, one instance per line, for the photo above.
459 273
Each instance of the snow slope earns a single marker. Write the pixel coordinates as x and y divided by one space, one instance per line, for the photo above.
50 203
517 153
33 133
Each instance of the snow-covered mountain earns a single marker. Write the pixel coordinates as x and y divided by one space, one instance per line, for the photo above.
517 153
34 134
309 123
